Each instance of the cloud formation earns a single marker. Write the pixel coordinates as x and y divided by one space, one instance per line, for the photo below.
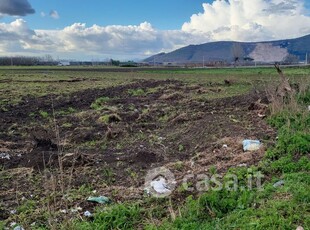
241 20
254 20
54 14
16 7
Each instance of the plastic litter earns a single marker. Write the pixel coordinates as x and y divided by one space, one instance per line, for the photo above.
251 145
76 209
160 185
299 228
278 184
225 146
19 228
13 212
99 199
5 156
87 214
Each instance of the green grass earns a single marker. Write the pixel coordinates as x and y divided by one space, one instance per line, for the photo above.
99 103
29 80
119 216
136 92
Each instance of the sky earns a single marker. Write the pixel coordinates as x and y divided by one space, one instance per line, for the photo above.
132 30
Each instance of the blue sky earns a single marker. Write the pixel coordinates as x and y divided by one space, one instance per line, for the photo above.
123 29
162 14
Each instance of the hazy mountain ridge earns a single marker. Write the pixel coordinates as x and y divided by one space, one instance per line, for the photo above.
265 51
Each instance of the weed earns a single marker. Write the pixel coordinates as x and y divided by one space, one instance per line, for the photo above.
108 175
67 125
136 92
70 110
43 114
99 102
181 148
110 118
179 165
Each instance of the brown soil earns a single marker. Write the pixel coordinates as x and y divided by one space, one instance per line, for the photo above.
164 125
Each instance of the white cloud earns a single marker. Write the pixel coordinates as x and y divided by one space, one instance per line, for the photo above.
54 14
254 20
78 39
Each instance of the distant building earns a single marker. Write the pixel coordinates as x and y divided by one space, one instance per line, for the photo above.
64 63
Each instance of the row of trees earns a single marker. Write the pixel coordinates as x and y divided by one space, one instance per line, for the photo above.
27 61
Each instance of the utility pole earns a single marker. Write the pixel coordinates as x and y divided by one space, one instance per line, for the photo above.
306 62
203 61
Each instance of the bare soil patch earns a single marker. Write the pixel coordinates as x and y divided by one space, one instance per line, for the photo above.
135 127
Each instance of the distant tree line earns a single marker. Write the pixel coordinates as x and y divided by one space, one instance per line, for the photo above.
27 61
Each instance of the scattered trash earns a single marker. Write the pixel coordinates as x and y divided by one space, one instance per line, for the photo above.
299 228
12 224
278 184
19 228
261 115
308 107
225 146
76 209
13 212
242 165
87 214
160 185
251 145
160 138
99 199
5 156
63 211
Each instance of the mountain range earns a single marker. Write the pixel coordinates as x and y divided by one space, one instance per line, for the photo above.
265 51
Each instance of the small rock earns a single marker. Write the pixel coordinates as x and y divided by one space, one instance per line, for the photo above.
225 146
5 156
299 228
